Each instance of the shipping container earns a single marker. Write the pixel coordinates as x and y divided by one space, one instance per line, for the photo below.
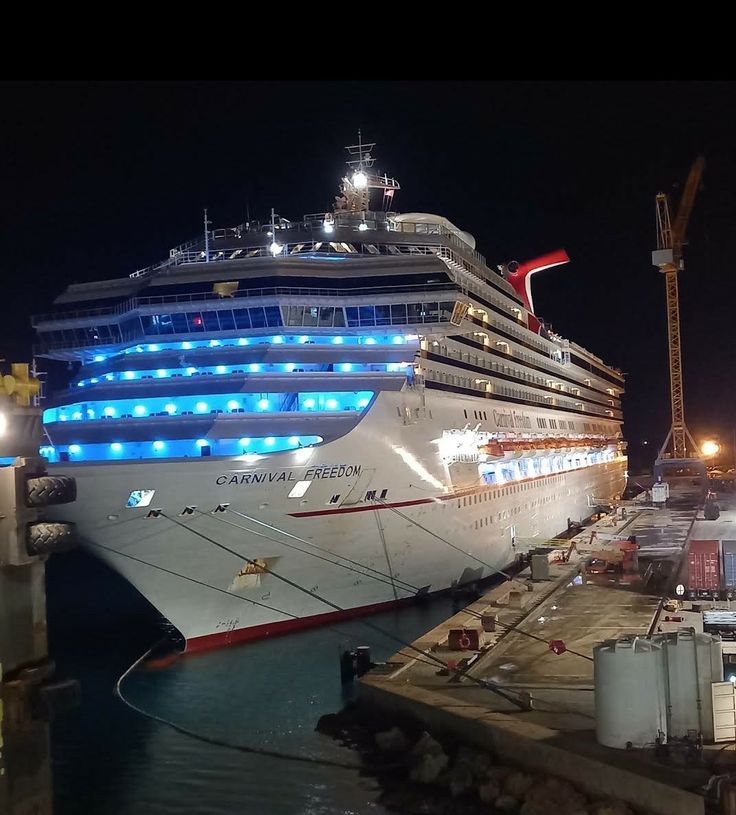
729 564
703 567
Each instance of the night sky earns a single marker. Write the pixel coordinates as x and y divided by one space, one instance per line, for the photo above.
100 179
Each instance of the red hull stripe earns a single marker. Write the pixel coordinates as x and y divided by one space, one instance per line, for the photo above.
339 511
277 629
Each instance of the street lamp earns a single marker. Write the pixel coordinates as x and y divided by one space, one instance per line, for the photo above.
710 448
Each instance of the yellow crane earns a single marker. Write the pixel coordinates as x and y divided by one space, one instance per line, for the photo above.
668 259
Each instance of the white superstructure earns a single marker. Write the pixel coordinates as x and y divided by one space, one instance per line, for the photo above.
352 405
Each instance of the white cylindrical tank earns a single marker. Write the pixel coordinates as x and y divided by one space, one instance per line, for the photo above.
630 692
694 661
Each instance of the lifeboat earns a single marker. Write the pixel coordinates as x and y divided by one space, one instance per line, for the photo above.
492 448
511 449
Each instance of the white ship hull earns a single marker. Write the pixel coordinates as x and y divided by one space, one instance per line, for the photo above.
175 562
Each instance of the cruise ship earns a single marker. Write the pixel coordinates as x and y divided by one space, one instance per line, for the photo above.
295 421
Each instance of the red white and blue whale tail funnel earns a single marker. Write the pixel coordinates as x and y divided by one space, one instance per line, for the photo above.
520 278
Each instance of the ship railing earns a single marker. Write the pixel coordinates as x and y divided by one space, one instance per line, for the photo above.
134 303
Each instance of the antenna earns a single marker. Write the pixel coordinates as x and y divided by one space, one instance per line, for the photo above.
206 238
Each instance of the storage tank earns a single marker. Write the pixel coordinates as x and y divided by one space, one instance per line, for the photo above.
703 568
694 662
630 692
729 565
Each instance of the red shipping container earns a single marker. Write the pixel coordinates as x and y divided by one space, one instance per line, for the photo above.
703 566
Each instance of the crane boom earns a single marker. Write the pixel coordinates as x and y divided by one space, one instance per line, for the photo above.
679 443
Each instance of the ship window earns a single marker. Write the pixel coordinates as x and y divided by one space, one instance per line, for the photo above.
227 321
273 316
398 314
196 323
352 315
299 489
211 323
414 312
383 316
326 314
367 315
295 316
179 323
310 315
242 319
339 318
257 317
140 498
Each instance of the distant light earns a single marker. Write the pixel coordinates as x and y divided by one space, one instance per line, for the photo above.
153 348
289 367
360 180
263 404
278 340
90 413
363 227
346 366
116 447
99 358
201 407
244 442
309 403
338 340
108 411
139 410
128 375
363 403
293 440
233 405
93 381
139 349
331 404
77 414
202 442
329 227
109 377
269 441
732 678
242 341
215 343
159 445
170 408
191 371
254 367
411 337
186 346
370 341
397 340
74 449
63 418
221 369
302 340
710 448
161 373
275 248
80 384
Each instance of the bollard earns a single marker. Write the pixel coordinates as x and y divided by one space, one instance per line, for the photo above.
347 667
363 662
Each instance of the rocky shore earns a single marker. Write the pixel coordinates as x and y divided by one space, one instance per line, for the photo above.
424 774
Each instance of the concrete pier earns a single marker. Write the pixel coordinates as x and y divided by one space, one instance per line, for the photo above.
555 734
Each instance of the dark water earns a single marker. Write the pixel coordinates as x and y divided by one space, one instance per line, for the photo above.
108 760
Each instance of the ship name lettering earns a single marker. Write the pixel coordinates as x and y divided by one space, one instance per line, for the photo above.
511 419
336 471
312 474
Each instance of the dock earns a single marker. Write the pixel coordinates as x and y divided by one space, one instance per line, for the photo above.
527 694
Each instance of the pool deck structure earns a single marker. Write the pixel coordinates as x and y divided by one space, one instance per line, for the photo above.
516 696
